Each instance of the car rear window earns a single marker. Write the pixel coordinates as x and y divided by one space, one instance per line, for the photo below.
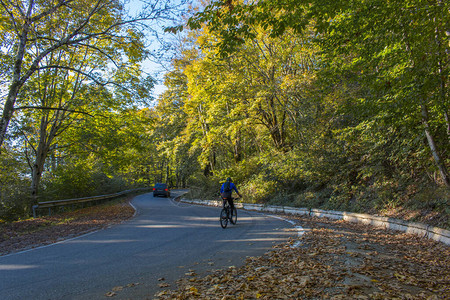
160 185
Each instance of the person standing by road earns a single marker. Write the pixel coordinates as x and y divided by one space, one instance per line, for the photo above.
226 191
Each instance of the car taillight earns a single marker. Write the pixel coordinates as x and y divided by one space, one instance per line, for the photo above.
166 190
154 189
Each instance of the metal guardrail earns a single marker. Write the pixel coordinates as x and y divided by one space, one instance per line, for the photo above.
51 204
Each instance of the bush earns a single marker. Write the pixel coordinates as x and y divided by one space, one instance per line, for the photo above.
15 203
203 187
312 198
259 189
15 200
80 179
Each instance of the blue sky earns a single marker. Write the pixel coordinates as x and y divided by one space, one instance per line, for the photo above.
155 69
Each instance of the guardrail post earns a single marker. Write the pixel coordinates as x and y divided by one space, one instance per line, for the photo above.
34 210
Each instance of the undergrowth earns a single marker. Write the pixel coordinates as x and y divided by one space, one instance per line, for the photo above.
410 202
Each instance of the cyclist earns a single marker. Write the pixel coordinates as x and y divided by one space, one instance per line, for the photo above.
226 190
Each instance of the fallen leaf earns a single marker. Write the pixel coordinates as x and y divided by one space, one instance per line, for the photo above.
132 284
160 294
193 290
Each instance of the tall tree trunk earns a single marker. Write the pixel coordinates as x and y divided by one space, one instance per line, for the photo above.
45 142
270 121
431 143
8 108
36 176
210 166
41 155
237 147
17 82
448 124
167 173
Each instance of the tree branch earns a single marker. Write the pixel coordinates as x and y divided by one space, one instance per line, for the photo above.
52 108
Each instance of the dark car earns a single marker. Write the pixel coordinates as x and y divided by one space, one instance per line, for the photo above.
161 189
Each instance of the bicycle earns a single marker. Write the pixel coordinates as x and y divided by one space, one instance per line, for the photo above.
226 214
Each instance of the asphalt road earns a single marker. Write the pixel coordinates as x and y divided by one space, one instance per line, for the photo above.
165 239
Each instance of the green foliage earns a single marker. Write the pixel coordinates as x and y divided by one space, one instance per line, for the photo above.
14 191
77 179
75 73
336 105
258 189
315 103
203 187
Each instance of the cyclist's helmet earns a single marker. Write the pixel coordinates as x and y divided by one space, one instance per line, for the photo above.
229 179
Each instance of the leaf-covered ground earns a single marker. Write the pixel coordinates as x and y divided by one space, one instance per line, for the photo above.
31 233
335 260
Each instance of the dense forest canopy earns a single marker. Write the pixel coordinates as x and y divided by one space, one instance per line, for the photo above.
307 103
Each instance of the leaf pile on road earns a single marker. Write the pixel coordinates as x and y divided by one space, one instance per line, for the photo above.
335 260
26 234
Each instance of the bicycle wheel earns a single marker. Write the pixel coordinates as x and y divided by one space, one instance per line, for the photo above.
233 218
223 218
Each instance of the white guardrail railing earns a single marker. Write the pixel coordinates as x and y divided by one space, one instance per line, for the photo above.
419 229
51 204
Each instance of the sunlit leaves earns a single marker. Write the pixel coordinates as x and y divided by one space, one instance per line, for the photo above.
334 260
334 85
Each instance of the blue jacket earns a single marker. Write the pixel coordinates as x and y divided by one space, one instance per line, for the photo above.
232 187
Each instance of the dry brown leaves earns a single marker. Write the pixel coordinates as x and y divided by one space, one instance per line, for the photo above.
336 260
32 233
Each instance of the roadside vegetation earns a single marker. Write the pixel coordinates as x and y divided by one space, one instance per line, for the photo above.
336 105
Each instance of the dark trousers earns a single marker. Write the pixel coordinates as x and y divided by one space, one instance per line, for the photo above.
230 201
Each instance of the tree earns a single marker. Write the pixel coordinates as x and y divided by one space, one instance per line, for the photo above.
33 30
170 134
56 98
263 85
407 72
403 69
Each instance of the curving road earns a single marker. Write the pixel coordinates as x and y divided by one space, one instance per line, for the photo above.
165 239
